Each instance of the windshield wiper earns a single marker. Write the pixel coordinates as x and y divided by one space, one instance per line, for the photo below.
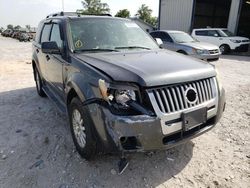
132 47
97 50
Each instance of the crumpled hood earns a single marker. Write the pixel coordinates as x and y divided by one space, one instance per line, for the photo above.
149 68
201 45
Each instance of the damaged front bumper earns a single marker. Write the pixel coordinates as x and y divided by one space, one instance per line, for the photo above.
144 133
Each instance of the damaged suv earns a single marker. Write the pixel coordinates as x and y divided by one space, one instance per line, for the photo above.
121 92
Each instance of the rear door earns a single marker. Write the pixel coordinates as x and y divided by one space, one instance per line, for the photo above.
55 62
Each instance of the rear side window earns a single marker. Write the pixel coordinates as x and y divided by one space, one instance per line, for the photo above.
38 32
201 33
213 33
163 36
46 33
56 36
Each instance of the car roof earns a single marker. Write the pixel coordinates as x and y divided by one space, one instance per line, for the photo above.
169 31
209 29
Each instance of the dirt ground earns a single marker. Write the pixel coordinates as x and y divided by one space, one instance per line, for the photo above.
36 149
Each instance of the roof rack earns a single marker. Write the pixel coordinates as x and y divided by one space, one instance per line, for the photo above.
74 14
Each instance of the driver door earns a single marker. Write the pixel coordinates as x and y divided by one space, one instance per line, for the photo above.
54 64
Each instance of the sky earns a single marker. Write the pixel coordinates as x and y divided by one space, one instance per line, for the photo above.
30 12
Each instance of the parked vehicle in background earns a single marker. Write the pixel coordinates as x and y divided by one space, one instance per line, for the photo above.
121 92
223 38
7 33
24 37
182 42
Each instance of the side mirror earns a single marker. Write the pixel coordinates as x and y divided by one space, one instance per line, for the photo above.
50 48
216 35
159 41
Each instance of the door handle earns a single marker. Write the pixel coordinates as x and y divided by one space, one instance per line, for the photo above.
220 38
37 51
47 57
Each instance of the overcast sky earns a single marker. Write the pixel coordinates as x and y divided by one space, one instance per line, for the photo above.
30 12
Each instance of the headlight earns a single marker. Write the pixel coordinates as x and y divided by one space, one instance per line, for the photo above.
235 41
124 96
200 52
118 94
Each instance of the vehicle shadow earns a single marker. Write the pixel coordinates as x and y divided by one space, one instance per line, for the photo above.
44 152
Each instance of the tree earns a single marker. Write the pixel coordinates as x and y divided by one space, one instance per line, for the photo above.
10 26
145 14
17 27
94 7
124 13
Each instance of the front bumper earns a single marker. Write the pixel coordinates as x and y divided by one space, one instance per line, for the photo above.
210 57
242 48
144 133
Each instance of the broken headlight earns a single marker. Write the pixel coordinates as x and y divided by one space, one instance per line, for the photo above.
117 94
124 96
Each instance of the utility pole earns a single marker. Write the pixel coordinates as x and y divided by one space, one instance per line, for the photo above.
63 5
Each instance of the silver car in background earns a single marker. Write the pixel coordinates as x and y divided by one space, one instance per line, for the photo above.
182 42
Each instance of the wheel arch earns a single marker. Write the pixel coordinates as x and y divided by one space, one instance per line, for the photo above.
182 52
225 44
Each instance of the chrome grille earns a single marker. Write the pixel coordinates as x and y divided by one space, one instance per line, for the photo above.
172 98
216 51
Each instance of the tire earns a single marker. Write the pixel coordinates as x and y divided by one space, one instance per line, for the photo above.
81 131
39 84
224 49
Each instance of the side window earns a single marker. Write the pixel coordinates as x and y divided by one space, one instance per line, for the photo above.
56 35
213 33
38 32
45 33
154 35
167 38
201 33
164 37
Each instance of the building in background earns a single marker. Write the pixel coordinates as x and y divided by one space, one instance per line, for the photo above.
185 15
145 26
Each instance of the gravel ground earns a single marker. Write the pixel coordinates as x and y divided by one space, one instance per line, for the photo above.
36 149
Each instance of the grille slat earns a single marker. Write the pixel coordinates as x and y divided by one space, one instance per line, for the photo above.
172 98
180 97
171 101
165 101
209 89
160 102
183 96
175 99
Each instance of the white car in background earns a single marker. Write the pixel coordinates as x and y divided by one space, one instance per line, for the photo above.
222 38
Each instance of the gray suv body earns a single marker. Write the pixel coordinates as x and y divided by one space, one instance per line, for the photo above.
122 94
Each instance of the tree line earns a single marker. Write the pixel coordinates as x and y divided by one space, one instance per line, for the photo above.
97 7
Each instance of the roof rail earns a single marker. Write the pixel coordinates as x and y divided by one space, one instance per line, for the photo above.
74 14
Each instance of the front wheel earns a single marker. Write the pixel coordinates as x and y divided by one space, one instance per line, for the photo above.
82 134
224 49
39 84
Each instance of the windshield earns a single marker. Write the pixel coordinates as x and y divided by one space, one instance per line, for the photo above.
227 33
182 37
99 34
